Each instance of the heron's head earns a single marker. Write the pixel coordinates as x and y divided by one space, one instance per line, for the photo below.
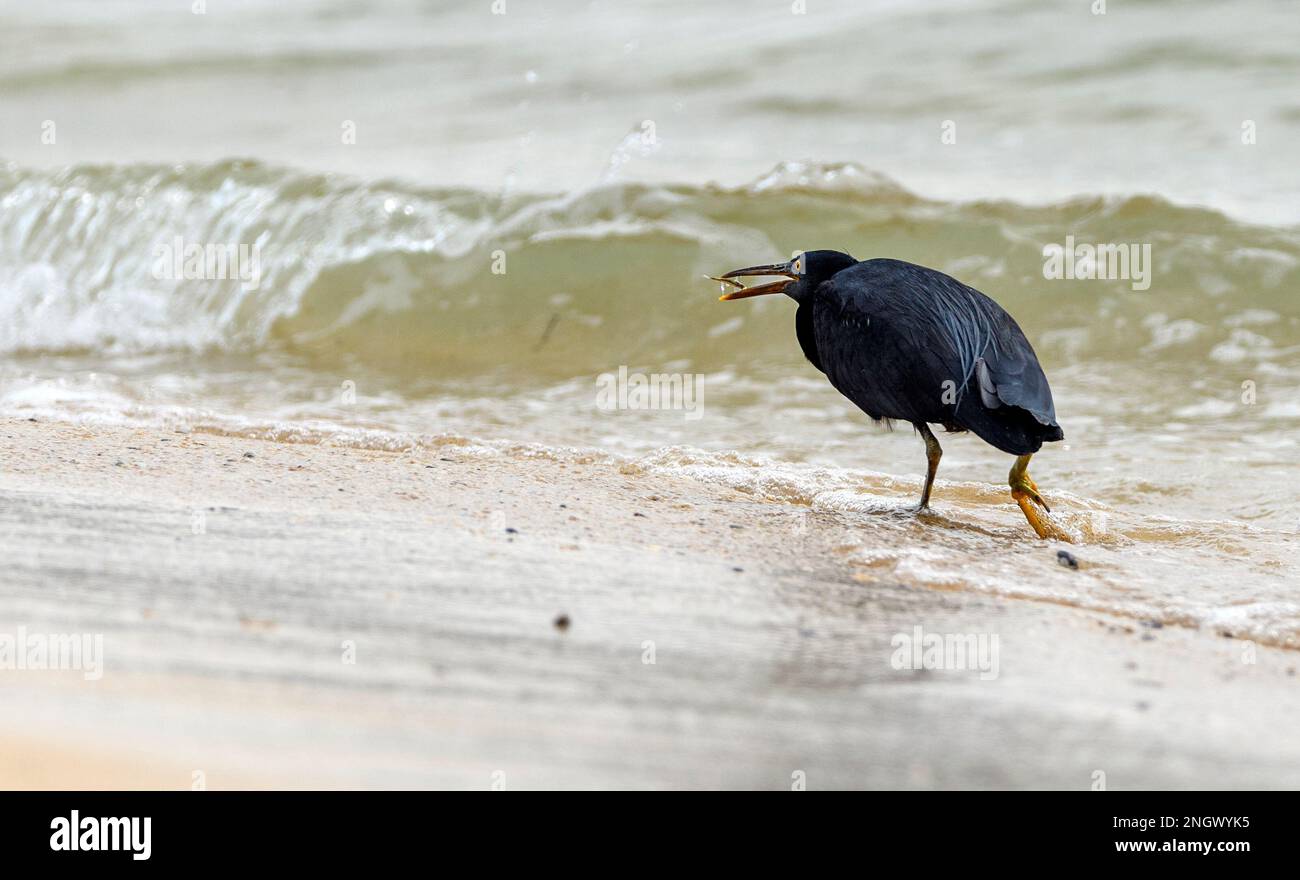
800 276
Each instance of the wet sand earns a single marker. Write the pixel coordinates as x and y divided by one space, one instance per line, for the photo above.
233 580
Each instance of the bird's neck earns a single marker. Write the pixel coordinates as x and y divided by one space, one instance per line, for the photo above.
803 328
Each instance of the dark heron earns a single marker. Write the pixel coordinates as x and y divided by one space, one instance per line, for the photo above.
905 342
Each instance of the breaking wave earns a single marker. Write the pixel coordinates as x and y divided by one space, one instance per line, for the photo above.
451 281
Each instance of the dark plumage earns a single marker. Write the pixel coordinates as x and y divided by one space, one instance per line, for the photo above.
909 343
906 342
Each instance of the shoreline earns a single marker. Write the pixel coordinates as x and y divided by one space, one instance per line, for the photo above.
233 578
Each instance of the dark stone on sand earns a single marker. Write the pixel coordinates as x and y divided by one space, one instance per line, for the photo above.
562 622
1066 558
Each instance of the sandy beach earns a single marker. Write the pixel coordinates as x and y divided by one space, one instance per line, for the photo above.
299 615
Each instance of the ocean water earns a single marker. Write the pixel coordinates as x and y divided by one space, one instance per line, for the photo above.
457 222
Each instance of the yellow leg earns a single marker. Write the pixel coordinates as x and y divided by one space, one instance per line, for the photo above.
1026 495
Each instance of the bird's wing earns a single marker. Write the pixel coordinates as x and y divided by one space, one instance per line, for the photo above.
878 355
944 329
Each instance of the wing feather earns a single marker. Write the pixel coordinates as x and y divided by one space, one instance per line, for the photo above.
899 330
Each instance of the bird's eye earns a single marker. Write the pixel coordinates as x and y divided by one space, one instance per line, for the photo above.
798 266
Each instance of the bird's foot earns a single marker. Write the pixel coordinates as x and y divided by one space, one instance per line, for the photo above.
924 514
1027 497
1027 487
923 510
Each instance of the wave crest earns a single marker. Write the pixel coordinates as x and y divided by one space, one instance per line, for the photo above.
413 278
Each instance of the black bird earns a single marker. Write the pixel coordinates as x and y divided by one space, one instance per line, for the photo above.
905 342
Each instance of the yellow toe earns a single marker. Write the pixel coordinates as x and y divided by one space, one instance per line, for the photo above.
1039 520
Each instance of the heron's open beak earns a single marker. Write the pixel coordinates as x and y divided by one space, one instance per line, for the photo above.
760 290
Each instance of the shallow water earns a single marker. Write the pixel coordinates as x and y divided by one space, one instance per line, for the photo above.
467 269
